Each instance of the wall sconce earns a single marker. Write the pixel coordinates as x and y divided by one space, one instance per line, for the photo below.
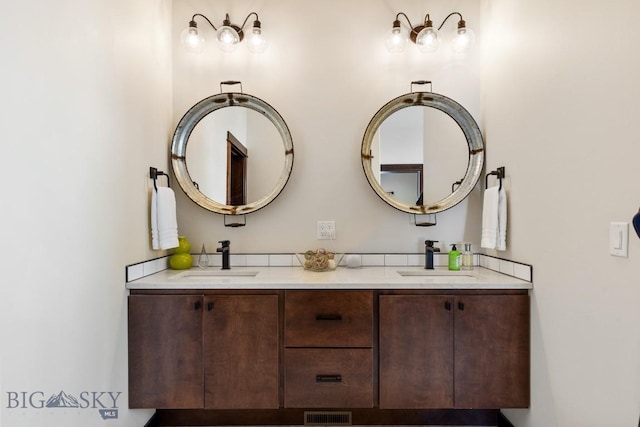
426 37
228 35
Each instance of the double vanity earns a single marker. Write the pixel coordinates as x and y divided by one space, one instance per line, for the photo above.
369 346
281 345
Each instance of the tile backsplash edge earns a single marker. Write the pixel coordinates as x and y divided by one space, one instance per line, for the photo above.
516 269
145 268
512 268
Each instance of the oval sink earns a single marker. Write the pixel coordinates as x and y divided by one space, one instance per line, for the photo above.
207 274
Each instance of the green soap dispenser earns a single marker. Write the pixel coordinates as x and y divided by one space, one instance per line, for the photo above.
454 258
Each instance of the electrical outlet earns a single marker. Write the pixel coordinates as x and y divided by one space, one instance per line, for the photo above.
326 230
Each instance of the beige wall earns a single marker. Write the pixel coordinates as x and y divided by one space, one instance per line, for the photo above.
85 109
560 108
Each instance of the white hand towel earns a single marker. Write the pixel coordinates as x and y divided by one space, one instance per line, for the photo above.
154 220
164 225
490 218
502 220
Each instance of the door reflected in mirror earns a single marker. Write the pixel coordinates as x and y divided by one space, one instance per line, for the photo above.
419 133
403 181
235 156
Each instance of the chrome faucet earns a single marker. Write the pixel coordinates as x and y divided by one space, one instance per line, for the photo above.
428 253
225 249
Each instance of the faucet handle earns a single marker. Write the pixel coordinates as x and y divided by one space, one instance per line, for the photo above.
224 243
429 243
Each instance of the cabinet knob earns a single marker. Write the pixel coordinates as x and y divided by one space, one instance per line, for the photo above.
460 306
447 306
197 305
209 306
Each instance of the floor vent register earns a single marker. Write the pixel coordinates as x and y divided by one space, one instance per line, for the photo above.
327 418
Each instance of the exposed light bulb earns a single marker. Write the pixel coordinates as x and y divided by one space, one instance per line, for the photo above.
228 38
191 39
397 40
464 39
428 39
256 41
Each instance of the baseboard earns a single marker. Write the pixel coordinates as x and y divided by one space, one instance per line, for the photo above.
284 417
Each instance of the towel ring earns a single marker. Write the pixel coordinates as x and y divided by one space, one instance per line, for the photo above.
154 173
499 173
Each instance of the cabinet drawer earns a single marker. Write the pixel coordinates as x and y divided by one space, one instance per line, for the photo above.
328 318
328 378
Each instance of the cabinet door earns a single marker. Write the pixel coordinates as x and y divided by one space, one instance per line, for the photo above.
492 351
240 352
416 351
165 351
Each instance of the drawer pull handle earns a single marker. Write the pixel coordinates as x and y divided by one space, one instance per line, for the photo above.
323 317
328 378
197 305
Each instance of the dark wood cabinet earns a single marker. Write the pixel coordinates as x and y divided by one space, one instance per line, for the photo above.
224 354
328 318
212 351
165 351
416 352
492 345
454 351
240 352
329 377
329 349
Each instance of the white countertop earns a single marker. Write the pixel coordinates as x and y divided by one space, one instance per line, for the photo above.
341 278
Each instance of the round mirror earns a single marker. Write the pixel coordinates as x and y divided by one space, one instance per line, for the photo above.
232 153
422 153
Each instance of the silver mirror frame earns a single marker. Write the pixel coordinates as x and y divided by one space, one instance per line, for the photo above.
189 121
471 132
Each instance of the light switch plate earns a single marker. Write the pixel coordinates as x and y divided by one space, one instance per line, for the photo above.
619 239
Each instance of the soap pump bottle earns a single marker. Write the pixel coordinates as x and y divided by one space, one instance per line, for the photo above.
467 257
454 258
